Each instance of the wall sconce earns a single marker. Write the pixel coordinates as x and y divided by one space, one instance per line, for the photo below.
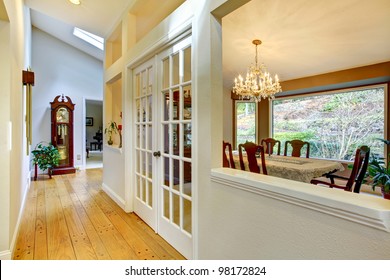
28 81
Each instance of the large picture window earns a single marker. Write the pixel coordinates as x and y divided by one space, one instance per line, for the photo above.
334 123
246 116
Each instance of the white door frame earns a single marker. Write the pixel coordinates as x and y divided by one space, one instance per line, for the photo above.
84 129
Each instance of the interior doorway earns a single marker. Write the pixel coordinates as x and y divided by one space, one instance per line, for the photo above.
93 134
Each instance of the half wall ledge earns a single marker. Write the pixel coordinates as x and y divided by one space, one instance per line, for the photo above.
358 208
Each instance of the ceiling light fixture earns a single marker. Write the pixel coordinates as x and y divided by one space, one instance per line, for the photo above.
75 2
258 83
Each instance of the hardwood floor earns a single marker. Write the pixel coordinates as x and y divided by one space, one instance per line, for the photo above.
70 217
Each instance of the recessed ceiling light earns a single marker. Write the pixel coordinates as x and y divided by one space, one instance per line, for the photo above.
76 2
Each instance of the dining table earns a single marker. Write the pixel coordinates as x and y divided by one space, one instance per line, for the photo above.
294 168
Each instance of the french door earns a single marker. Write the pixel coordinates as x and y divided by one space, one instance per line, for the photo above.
145 191
175 128
163 145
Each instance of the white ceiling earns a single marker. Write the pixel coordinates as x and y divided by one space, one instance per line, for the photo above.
59 17
300 37
306 37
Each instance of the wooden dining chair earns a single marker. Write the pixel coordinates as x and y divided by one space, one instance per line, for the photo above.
297 146
225 161
251 150
356 177
269 144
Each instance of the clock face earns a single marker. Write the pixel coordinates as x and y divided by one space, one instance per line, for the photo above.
62 115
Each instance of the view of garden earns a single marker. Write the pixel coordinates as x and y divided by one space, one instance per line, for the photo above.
335 124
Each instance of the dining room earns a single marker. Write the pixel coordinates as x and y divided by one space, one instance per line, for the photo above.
334 105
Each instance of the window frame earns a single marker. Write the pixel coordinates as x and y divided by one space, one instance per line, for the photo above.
235 144
336 91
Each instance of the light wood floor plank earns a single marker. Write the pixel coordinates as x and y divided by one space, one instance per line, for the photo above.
112 239
160 246
70 217
80 240
58 239
24 247
40 249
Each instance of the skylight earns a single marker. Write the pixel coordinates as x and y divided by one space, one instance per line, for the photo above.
89 37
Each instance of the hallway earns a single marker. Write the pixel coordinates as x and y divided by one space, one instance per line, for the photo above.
70 217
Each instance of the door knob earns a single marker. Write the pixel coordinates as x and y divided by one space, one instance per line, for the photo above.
157 154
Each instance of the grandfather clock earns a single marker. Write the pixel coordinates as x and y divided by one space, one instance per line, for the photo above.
62 133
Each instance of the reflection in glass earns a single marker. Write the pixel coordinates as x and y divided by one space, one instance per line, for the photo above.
166 171
166 206
175 69
150 80
62 115
187 219
143 160
166 106
143 187
187 177
150 158
175 140
176 171
137 85
176 209
62 139
138 110
150 138
150 193
187 64
138 192
187 110
166 138
137 138
143 136
165 79
187 137
137 162
150 112
176 104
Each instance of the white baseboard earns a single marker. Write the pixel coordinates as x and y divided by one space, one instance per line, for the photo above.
8 254
5 255
120 201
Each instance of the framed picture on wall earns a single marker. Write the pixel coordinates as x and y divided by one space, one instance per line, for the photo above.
89 121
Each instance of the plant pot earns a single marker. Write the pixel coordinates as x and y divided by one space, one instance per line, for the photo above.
110 142
385 195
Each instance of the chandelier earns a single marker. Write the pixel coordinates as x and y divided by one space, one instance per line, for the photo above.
258 83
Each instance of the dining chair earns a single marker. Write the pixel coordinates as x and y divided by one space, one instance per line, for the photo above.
297 146
356 177
225 161
269 145
251 150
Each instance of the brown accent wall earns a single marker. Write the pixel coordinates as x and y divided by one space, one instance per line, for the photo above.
344 76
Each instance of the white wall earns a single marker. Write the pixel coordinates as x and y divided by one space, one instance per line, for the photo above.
264 217
61 69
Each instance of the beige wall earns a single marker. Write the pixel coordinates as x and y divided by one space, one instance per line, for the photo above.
339 77
18 165
4 127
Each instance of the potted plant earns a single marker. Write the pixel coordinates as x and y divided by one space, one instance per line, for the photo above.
46 156
379 173
111 128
